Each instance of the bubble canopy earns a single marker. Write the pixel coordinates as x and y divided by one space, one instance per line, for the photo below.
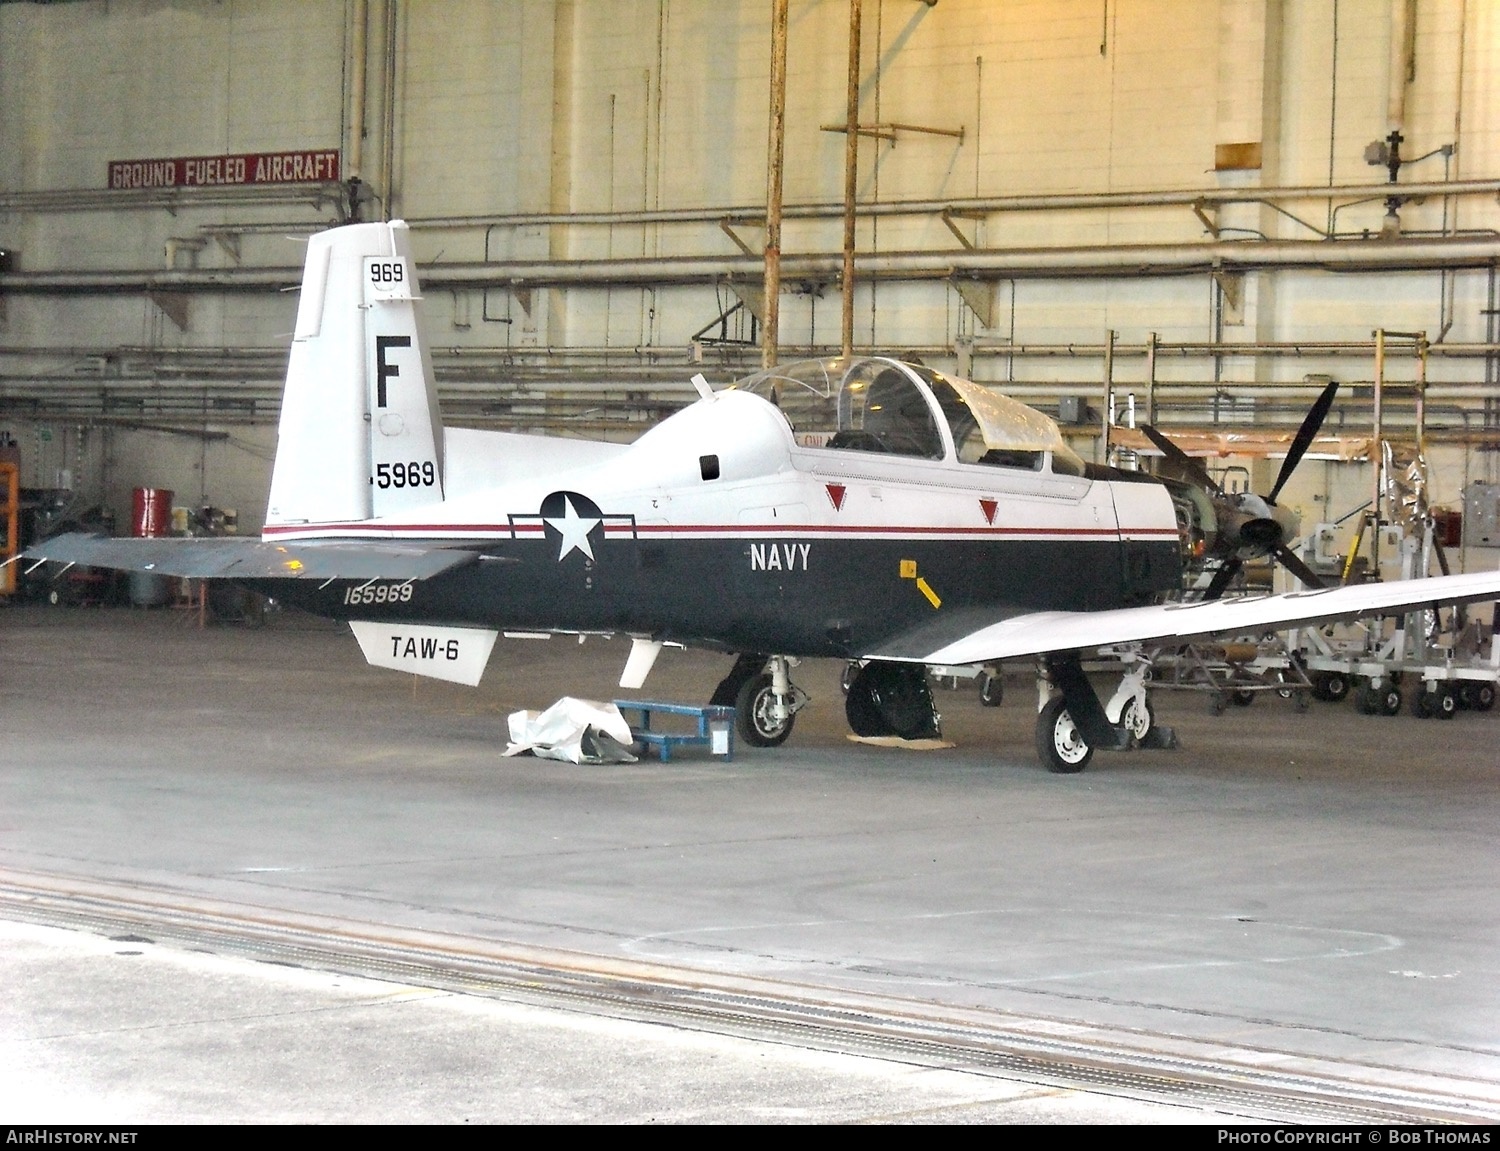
874 404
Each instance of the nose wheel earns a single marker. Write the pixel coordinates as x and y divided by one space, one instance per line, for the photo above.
756 716
765 701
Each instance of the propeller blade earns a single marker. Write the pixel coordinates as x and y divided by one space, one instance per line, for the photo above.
1227 571
1305 436
1179 459
1293 563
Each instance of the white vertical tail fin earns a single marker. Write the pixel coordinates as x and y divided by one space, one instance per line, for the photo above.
361 436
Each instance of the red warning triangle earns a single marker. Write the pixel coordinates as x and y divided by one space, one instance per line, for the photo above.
989 507
836 494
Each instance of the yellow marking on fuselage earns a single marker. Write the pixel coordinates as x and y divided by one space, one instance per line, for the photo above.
926 589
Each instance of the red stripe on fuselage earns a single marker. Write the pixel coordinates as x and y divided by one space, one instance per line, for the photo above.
477 532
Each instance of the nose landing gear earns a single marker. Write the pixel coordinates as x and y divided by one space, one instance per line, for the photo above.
765 700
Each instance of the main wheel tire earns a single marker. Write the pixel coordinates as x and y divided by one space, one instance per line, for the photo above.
1059 744
1137 718
991 689
891 699
754 715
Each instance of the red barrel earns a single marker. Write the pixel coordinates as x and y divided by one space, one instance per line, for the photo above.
151 512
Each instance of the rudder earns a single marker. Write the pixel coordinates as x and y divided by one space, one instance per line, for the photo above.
360 434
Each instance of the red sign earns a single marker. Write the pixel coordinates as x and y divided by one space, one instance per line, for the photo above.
307 167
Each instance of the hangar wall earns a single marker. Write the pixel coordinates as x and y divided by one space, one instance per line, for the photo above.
558 139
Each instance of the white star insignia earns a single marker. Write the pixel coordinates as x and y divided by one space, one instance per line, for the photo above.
574 531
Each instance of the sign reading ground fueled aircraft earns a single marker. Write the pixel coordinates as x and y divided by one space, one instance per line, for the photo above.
304 166
864 509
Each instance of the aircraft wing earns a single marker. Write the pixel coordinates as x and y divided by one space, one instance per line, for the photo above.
248 559
1037 633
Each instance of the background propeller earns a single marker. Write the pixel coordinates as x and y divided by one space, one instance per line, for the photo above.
1250 526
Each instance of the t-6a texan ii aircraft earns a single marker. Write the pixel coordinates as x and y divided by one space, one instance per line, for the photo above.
864 510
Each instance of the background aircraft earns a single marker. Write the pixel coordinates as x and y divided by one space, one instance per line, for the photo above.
863 510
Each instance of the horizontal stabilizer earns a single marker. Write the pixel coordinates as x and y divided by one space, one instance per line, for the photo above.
251 559
1038 633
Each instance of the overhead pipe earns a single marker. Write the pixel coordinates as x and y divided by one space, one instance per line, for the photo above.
173 200
1037 202
101 199
984 346
1405 254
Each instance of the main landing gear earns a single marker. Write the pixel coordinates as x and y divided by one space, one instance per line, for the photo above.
891 699
883 699
765 700
1070 725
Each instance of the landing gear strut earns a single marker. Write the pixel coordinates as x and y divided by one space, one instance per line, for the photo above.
1065 744
766 702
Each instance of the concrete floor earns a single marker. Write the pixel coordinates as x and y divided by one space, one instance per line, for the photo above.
1287 887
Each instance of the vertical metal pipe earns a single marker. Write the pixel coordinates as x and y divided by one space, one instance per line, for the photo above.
851 174
388 128
1377 457
358 51
1422 399
1402 60
775 150
1109 396
1151 379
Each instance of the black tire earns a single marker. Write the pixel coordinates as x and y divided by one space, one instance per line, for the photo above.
1059 745
1335 686
1476 696
1424 703
1390 698
1136 719
1287 684
1445 706
1243 697
752 715
991 689
891 699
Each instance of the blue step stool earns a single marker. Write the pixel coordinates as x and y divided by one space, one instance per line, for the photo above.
714 727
